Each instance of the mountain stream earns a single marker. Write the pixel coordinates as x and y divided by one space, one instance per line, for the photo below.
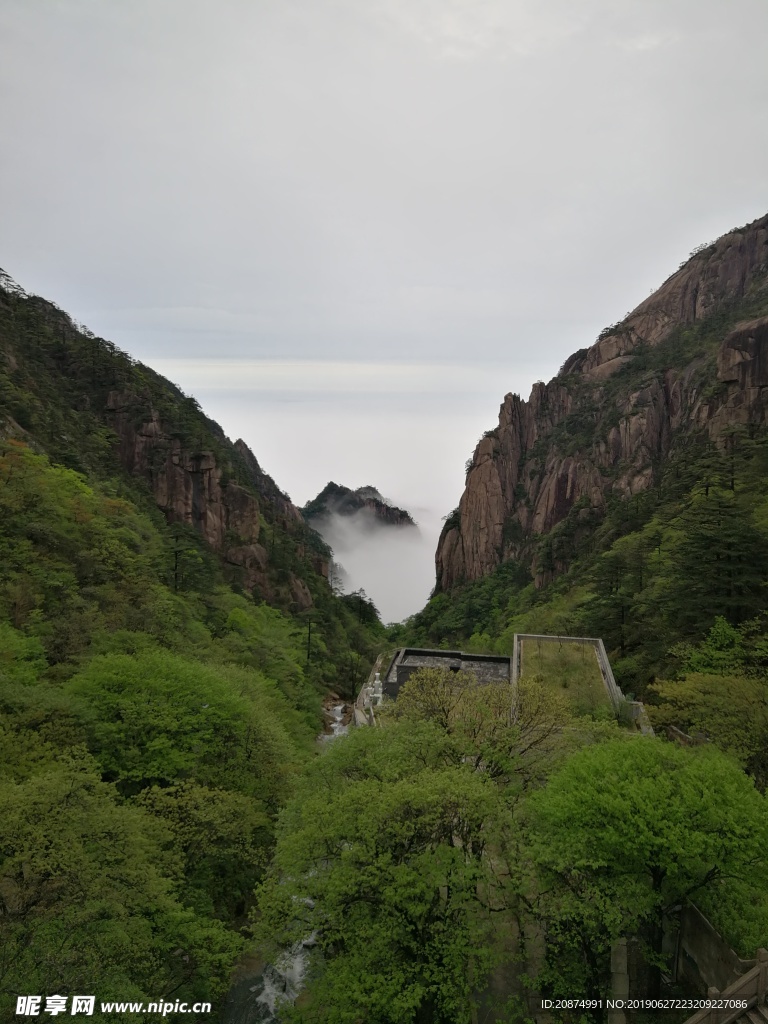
256 990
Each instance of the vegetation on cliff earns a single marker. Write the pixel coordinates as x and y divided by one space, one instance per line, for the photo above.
335 499
161 671
636 503
673 581
628 500
167 629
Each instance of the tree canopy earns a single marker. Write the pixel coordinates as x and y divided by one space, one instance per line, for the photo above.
628 829
379 859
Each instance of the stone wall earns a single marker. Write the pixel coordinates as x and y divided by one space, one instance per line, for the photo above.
487 668
703 958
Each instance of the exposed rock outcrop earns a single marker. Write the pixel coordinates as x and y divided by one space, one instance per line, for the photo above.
720 273
191 487
335 499
155 433
586 436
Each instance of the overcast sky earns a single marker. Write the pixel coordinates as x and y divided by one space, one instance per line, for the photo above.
349 227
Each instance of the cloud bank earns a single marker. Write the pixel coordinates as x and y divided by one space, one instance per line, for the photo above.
393 564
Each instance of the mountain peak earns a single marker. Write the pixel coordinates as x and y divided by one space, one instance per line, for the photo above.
335 499
715 274
685 364
8 284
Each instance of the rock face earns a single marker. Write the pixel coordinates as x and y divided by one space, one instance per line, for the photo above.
91 407
190 487
602 426
720 273
337 500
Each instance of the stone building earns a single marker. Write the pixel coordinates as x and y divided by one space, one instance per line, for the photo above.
488 668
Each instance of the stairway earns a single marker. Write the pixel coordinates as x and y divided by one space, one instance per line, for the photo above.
757 1015
750 986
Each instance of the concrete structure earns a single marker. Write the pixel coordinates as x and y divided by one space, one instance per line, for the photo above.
487 668
702 957
631 710
750 989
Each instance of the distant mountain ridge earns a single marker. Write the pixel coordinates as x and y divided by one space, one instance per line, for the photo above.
335 499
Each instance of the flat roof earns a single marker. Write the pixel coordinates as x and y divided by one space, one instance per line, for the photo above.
424 656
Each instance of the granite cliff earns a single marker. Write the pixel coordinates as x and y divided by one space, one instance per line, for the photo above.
91 407
196 486
691 361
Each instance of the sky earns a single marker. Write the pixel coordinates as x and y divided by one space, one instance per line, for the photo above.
350 227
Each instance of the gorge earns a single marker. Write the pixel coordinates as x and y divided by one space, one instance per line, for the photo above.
170 637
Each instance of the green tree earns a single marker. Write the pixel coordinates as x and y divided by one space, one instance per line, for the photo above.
157 719
22 659
224 839
510 734
379 858
626 830
719 563
87 892
618 580
730 710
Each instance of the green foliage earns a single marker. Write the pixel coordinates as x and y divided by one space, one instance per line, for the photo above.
730 710
447 620
362 606
513 736
629 829
719 563
722 650
380 856
655 573
739 909
412 853
22 658
153 718
263 639
452 520
649 570
222 839
88 895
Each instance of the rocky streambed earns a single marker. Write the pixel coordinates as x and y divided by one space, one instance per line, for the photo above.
257 988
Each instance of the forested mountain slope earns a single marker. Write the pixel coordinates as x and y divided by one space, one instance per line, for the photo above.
167 632
687 365
92 408
628 498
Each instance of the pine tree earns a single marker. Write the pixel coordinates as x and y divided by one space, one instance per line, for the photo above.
719 564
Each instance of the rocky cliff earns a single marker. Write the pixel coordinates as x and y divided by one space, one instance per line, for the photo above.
692 358
195 486
89 406
335 499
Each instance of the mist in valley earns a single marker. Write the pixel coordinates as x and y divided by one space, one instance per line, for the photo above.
394 565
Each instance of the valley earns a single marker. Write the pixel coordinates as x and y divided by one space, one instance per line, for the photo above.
175 639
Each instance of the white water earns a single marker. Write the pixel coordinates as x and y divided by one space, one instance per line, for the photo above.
337 728
283 981
279 983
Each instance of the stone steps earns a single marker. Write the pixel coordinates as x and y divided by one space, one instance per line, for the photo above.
757 1015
